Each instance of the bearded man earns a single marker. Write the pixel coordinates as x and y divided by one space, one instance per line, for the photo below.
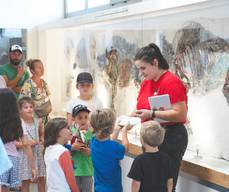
14 72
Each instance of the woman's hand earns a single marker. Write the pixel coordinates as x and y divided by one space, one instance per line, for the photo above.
134 113
144 114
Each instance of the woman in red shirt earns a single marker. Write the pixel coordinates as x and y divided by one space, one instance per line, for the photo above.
159 81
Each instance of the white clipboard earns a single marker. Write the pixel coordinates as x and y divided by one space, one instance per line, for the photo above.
160 102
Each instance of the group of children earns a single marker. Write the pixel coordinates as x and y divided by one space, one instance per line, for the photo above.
82 153
96 153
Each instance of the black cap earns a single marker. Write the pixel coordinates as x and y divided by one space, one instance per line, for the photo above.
84 77
79 108
15 48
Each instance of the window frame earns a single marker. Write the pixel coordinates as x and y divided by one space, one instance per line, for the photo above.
97 8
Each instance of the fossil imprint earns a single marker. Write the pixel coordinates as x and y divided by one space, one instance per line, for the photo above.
194 55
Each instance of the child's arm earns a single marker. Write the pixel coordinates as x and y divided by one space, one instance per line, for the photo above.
125 140
41 131
66 165
19 143
29 153
170 185
115 133
69 119
135 186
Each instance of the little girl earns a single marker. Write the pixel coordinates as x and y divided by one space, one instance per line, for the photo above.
33 130
60 177
10 131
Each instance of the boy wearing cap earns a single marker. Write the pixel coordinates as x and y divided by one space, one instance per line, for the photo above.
83 168
84 84
13 72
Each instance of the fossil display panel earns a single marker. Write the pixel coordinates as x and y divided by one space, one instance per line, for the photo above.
196 45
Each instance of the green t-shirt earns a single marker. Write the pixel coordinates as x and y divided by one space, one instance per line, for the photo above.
11 72
82 163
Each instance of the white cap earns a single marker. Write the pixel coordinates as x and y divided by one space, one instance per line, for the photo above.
15 48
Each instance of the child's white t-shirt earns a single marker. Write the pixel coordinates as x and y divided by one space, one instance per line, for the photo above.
56 180
2 82
92 104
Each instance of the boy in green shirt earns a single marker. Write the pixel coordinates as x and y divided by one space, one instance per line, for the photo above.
83 168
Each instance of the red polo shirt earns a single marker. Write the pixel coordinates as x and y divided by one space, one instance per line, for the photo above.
168 83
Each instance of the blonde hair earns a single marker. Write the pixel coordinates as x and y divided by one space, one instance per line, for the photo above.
31 63
152 133
102 122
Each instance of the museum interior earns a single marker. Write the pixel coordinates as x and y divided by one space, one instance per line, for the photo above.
104 38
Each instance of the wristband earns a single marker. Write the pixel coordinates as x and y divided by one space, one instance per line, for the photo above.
153 114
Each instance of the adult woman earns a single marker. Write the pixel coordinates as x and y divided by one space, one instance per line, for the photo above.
158 81
37 89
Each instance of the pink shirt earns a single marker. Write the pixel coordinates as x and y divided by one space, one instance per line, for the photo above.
11 148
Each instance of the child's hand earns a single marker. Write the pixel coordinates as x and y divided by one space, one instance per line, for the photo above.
32 143
118 127
127 127
86 151
84 127
78 146
41 142
34 175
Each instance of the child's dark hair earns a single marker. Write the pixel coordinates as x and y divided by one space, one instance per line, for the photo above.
23 100
102 122
151 52
10 122
31 63
52 130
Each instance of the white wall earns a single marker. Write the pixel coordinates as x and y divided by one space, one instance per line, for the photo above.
29 13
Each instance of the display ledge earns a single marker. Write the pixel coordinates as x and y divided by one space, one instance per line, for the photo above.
212 170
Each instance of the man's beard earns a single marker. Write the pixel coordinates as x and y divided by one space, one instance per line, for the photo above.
15 62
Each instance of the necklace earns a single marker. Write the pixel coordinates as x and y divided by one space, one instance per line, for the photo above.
31 127
38 82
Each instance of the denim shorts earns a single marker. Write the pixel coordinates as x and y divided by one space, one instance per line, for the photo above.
10 178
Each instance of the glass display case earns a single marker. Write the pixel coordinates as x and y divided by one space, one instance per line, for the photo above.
195 43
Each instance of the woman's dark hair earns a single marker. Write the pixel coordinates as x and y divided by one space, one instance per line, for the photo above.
31 63
52 130
151 52
10 122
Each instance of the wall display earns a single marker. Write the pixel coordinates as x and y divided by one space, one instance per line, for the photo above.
196 46
9 37
108 55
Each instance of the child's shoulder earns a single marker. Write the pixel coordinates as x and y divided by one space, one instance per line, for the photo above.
97 102
106 142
